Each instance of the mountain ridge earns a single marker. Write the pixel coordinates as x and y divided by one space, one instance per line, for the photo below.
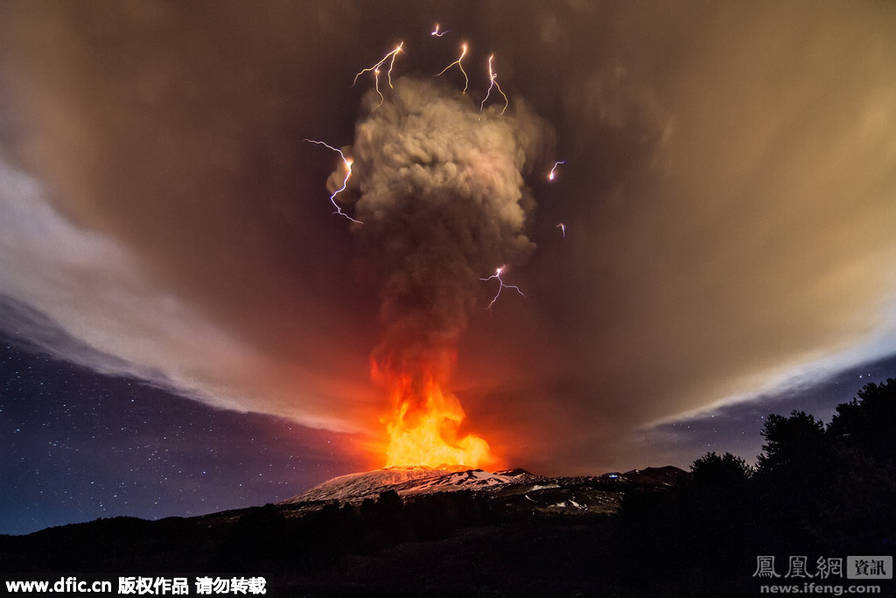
409 482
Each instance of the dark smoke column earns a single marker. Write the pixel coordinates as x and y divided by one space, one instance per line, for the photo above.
441 193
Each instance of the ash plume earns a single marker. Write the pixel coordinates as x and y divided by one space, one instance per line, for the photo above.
441 191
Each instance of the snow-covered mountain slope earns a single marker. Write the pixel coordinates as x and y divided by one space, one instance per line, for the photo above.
409 481
365 483
551 496
474 479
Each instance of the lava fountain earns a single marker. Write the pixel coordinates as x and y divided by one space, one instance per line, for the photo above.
424 426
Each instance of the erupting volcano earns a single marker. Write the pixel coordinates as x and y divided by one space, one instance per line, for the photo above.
439 195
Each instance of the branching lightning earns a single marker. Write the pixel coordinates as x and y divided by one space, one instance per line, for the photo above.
347 162
463 52
436 33
553 174
501 285
493 82
375 69
562 228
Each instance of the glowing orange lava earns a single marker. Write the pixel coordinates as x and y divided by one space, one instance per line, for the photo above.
424 427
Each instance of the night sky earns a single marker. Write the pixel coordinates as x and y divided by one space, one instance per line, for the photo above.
736 428
188 327
78 445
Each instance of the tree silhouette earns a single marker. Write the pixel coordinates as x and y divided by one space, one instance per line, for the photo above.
866 423
726 470
790 442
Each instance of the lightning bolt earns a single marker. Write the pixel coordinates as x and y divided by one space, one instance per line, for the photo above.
562 228
347 162
493 82
501 285
436 33
463 52
553 174
375 68
376 85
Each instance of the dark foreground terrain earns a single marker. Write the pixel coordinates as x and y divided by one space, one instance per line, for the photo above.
820 491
